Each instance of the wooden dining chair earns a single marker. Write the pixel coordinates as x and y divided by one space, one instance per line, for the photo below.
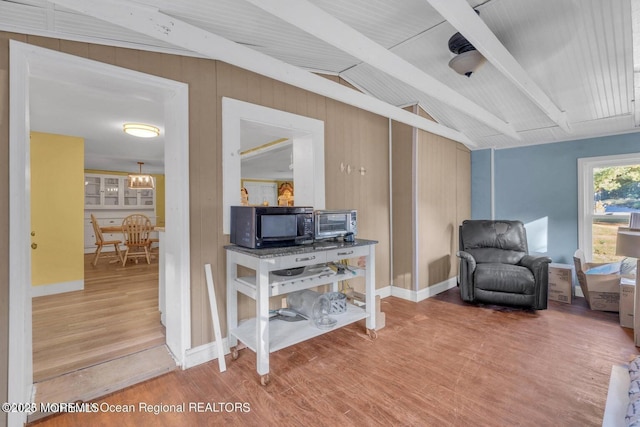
100 242
137 229
153 248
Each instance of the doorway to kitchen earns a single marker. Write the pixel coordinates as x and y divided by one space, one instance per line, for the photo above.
27 62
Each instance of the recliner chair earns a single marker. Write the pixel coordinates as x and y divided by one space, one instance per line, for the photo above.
496 268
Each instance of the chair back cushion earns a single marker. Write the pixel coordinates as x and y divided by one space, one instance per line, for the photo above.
496 241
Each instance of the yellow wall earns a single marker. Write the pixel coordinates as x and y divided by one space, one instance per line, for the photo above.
159 179
57 208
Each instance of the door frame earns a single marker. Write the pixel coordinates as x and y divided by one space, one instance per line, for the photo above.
28 60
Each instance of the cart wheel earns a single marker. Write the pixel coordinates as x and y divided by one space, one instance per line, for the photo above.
264 379
234 353
372 334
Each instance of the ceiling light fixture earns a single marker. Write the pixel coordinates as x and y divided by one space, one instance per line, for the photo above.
467 59
141 130
140 181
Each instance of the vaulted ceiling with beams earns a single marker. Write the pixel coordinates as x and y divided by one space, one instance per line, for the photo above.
556 70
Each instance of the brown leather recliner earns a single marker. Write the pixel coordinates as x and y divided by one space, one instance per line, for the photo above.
495 267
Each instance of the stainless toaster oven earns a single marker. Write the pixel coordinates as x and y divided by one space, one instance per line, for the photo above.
335 223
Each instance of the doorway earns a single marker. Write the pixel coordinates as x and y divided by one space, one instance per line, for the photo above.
26 62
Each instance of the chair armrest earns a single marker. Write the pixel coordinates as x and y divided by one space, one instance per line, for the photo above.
535 264
465 275
469 259
539 266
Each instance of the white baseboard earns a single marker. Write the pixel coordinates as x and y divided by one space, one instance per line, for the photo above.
57 288
425 293
384 292
203 354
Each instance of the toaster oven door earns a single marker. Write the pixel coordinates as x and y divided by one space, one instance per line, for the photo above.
332 225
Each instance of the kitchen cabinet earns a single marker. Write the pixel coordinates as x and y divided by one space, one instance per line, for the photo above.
264 336
103 191
138 198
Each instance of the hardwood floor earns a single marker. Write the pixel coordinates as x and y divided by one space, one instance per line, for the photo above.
438 362
116 314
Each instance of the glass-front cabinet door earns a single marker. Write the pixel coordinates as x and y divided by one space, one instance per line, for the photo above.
130 196
92 191
146 198
111 191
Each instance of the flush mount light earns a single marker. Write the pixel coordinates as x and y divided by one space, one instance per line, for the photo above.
141 130
467 59
466 63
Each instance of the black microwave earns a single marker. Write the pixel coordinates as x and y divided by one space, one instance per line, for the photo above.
271 226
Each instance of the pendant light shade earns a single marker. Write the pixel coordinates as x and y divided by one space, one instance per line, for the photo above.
140 181
466 63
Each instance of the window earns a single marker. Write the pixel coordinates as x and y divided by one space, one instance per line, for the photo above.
608 191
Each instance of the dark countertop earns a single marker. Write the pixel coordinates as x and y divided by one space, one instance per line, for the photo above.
300 249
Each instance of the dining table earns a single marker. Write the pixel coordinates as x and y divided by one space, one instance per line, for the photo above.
118 228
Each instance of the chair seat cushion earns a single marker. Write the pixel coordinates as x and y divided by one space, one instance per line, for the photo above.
504 278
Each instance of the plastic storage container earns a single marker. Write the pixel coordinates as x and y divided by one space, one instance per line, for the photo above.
314 306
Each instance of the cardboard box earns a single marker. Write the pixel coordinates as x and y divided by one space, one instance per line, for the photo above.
600 284
627 300
561 282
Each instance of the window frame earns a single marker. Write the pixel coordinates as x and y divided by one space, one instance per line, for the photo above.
586 165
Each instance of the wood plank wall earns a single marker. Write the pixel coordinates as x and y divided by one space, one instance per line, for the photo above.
444 197
402 156
443 182
352 136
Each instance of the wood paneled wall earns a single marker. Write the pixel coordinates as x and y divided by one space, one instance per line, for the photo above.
352 136
442 183
403 146
359 140
437 213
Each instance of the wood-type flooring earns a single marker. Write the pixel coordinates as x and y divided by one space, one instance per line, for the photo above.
115 315
438 362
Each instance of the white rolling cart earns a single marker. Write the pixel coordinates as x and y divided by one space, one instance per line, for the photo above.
263 336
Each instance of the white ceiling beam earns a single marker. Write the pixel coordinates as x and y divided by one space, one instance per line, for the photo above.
472 27
327 28
148 20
